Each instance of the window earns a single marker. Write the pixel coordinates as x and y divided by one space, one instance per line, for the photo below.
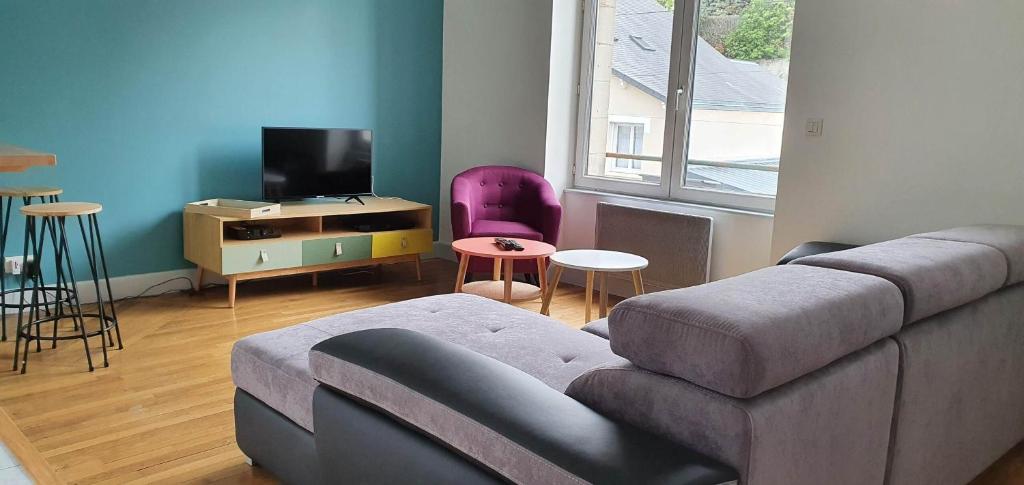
690 96
627 139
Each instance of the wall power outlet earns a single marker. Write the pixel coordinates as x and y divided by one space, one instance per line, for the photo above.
15 265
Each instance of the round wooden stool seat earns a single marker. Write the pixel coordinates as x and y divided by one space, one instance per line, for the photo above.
29 191
62 209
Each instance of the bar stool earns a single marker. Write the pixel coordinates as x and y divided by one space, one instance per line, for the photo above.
51 219
27 196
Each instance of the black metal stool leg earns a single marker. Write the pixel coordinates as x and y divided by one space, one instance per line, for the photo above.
36 265
74 288
29 221
90 253
95 222
34 302
3 254
63 295
36 281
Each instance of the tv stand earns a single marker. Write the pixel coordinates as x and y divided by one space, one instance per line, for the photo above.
315 237
356 198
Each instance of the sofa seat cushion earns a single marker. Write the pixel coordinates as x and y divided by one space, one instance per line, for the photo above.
745 335
274 366
488 228
933 275
1007 239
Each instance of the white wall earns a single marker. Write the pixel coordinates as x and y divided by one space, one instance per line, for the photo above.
494 88
564 66
922 102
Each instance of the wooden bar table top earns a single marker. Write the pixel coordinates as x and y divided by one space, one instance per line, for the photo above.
17 159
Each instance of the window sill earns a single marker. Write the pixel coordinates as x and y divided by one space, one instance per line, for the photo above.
668 202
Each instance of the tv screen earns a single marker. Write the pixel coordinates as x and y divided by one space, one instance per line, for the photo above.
307 162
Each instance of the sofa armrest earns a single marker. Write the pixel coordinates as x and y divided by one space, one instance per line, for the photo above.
498 416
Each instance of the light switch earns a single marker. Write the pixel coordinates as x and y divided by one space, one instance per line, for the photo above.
264 257
338 250
814 126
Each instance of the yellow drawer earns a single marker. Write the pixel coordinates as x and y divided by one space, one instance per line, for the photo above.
398 243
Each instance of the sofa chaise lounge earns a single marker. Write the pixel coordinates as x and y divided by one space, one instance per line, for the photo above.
900 362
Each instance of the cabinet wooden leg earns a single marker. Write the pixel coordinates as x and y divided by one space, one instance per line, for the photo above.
316 280
461 277
638 282
232 283
496 275
508 280
589 296
419 272
199 279
604 294
545 308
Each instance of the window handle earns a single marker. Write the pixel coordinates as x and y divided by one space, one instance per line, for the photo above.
679 96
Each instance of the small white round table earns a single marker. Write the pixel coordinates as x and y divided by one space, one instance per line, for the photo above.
599 262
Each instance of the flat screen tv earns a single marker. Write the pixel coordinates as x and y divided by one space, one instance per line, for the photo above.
301 163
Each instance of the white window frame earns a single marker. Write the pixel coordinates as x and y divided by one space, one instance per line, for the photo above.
677 116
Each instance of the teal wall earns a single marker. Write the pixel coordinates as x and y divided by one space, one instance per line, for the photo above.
150 104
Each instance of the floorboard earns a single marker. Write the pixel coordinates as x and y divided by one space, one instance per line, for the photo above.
161 413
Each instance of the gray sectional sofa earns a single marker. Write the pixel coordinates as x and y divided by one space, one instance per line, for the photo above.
900 362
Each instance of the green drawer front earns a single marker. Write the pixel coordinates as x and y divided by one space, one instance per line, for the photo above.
324 251
246 258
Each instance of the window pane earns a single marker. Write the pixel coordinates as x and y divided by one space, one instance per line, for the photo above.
631 68
739 95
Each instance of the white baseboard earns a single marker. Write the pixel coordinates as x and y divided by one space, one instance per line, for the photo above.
133 285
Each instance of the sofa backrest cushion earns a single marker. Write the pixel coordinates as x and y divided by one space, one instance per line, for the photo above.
744 335
1009 240
933 275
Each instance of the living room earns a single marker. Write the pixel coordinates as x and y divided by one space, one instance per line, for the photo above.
532 241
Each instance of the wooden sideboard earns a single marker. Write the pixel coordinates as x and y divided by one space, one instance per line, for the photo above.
316 236
17 159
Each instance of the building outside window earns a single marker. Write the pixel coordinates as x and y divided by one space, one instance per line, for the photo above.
690 96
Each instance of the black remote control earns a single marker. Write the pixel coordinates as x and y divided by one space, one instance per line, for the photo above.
508 244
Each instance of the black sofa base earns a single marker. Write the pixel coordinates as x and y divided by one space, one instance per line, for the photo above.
274 442
360 445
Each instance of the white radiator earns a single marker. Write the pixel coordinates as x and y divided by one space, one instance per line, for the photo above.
678 246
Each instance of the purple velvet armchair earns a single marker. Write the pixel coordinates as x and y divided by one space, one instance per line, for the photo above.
498 201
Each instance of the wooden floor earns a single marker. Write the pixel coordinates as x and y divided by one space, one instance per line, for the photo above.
162 411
